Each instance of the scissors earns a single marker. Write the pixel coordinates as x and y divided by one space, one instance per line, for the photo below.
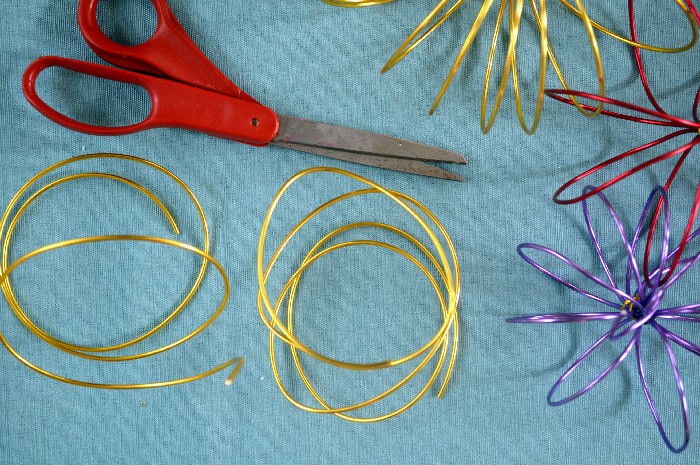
188 91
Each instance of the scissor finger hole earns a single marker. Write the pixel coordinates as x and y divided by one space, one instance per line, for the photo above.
93 100
127 22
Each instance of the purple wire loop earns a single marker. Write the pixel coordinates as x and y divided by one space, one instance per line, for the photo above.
679 385
684 343
576 267
564 318
597 379
636 310
632 264
650 296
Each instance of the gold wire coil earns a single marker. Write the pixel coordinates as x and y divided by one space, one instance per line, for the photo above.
446 285
443 10
9 221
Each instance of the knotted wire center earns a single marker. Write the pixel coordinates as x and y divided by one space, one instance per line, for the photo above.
635 312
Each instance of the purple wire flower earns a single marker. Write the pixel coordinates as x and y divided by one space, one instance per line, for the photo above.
636 306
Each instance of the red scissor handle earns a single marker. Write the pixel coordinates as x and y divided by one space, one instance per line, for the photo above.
173 104
168 53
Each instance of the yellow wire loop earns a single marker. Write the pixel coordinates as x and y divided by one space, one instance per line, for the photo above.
444 280
654 48
446 8
356 3
14 211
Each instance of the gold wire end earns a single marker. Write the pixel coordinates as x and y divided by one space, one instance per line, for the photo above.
434 106
239 364
14 211
440 95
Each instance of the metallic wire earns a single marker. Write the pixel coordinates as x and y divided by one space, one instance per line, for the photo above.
445 8
446 284
8 222
637 311
684 127
685 7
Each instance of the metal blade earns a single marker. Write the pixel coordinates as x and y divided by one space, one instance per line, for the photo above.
306 133
395 164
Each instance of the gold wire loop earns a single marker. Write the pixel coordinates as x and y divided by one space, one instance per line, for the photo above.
11 217
445 281
589 25
515 9
654 48
356 3
544 46
446 8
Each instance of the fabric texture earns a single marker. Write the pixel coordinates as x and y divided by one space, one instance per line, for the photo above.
311 60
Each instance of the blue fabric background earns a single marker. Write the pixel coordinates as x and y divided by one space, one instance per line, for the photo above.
307 59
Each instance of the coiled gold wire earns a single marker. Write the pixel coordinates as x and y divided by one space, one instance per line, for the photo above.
9 221
445 281
443 10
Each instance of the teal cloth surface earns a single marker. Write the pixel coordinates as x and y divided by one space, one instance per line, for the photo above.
307 59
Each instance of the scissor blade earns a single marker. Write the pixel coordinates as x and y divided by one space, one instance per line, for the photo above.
306 133
395 164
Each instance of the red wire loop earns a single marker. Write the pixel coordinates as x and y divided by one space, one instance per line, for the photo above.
656 116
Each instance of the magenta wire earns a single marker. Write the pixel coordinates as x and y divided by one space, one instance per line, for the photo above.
658 116
676 168
643 297
693 10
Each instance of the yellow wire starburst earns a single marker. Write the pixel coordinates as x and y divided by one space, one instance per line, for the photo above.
446 8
